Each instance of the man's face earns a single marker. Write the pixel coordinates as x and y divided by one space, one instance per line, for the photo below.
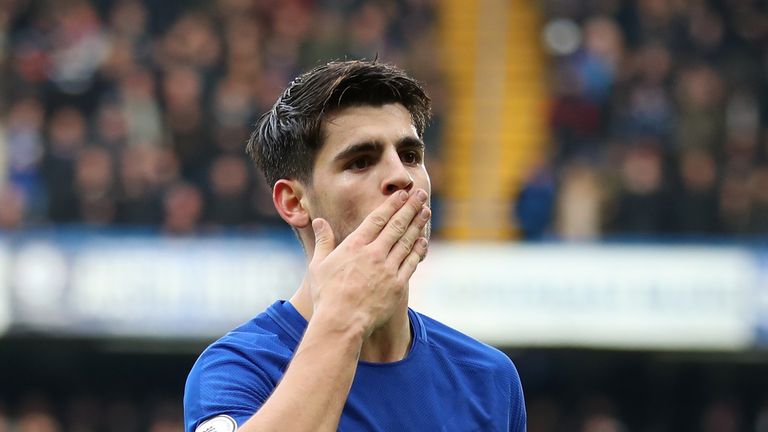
369 153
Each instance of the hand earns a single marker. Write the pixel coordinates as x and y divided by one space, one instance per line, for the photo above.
360 283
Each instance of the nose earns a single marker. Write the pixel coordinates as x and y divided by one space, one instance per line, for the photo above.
396 177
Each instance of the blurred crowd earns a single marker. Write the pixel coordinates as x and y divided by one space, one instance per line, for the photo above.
136 113
600 414
658 119
39 412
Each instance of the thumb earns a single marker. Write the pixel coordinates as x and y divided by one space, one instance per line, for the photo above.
324 241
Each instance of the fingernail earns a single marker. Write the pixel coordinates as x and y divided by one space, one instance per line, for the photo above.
421 195
423 242
424 213
402 196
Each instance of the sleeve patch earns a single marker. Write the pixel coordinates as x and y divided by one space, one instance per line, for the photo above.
221 423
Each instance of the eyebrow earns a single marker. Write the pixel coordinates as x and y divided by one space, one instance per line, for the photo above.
411 142
374 146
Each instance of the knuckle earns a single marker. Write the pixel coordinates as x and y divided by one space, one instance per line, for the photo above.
395 277
399 227
373 254
391 272
378 220
405 243
353 241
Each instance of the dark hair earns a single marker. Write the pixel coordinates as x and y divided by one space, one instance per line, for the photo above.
287 137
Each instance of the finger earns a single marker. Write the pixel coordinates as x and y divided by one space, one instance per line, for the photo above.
324 240
398 224
372 225
413 259
403 247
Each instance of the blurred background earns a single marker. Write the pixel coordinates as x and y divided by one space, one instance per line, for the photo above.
600 182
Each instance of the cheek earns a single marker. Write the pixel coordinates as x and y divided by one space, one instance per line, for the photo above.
346 210
344 218
341 210
350 210
354 208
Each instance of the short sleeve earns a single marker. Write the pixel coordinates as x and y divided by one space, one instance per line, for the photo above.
518 416
225 381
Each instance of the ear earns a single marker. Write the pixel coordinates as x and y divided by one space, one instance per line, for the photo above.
288 198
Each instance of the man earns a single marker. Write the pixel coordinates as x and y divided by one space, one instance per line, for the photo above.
342 148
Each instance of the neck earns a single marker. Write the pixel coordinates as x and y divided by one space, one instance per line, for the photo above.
388 343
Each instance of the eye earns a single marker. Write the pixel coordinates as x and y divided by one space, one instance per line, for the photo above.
359 164
411 157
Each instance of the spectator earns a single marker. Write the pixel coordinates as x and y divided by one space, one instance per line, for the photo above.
696 205
228 201
535 204
602 423
700 95
111 127
94 186
138 202
5 421
642 203
191 42
141 110
128 21
12 208
66 137
579 203
36 415
182 94
600 416
232 113
644 105
721 416
182 209
735 201
23 151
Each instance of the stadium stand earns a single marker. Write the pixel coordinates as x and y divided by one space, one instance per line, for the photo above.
130 116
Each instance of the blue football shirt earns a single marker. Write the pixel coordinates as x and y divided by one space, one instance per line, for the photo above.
447 382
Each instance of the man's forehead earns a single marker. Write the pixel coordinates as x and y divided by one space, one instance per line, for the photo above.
368 122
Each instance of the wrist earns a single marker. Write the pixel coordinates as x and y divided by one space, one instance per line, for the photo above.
348 326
